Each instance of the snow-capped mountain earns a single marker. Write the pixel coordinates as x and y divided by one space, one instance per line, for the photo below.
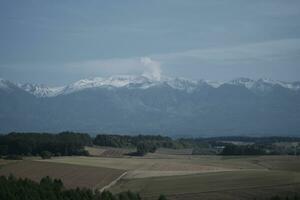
143 82
139 104
246 82
6 85
41 90
264 84
113 81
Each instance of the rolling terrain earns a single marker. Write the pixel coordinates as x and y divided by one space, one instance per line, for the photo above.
200 177
175 173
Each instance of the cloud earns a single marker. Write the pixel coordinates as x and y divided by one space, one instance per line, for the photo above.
264 59
105 67
277 59
153 69
263 51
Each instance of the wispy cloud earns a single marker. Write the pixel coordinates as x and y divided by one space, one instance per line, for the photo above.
136 65
247 53
274 59
256 57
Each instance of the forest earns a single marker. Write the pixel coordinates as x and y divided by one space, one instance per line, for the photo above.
33 144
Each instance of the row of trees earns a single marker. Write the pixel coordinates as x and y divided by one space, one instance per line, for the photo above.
48 189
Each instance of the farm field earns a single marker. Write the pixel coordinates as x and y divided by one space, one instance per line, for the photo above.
201 177
6 162
171 163
176 176
140 167
72 175
220 185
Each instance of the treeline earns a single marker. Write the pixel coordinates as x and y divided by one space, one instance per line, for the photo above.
48 189
231 149
256 140
143 143
133 141
69 143
32 144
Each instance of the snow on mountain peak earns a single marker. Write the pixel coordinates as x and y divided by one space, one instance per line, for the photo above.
246 82
41 90
144 82
181 83
6 85
288 85
3 84
214 84
264 84
113 81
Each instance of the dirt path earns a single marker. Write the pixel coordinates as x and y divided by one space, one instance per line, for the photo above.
112 183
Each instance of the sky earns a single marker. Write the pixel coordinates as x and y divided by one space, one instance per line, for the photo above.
57 42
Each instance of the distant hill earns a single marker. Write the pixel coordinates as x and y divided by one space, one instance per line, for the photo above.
137 104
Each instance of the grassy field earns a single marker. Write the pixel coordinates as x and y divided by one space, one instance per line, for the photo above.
72 175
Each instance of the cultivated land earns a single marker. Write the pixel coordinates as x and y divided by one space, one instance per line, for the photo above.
251 177
6 162
201 177
72 175
140 167
210 184
176 176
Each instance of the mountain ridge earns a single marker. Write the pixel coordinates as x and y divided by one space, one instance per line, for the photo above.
137 105
143 82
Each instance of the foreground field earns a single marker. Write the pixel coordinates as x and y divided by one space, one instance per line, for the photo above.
72 175
176 176
218 185
201 177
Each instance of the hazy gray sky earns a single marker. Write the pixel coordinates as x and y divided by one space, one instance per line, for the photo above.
57 42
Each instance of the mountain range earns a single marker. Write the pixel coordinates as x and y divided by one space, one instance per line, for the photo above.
143 105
